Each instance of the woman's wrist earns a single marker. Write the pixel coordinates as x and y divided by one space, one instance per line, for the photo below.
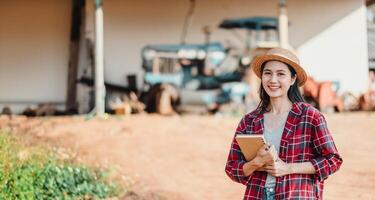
289 168
257 162
251 166
300 168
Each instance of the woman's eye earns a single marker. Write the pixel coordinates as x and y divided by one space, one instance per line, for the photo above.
281 74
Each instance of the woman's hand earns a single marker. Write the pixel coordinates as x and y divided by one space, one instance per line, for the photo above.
278 168
266 155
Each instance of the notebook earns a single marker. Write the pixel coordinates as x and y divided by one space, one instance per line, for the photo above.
250 144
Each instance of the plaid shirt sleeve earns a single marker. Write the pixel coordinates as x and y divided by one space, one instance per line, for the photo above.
328 160
236 160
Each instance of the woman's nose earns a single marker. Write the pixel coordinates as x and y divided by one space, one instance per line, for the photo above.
273 78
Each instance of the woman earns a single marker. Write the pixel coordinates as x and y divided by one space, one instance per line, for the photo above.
300 153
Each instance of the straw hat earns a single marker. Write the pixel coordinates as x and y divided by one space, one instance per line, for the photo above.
282 55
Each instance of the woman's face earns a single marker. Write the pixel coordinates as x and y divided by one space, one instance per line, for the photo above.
277 79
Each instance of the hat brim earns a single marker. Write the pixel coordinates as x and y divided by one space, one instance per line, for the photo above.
258 61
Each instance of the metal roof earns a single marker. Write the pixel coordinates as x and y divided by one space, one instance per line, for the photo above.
251 23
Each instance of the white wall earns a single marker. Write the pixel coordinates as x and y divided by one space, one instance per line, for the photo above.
130 25
34 51
318 28
34 39
339 50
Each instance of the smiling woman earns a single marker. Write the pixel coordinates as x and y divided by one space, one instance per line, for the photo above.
300 153
277 78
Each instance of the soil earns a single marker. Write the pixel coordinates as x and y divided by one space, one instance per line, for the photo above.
183 157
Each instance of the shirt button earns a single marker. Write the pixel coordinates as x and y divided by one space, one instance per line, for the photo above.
271 189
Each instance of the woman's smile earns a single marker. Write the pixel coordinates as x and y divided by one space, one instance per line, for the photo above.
273 87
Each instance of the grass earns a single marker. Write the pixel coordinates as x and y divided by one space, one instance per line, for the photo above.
28 172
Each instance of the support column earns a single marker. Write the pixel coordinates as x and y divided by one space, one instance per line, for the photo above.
78 16
283 25
99 61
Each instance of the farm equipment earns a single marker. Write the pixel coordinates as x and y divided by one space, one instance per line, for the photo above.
204 75
323 95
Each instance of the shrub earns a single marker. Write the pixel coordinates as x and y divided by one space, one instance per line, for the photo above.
32 173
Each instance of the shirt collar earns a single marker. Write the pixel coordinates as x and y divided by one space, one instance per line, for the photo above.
296 110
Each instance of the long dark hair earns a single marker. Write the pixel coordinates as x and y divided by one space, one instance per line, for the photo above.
294 94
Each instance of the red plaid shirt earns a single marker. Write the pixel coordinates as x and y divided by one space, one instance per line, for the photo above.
305 138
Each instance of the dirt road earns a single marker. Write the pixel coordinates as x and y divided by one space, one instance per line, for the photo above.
183 157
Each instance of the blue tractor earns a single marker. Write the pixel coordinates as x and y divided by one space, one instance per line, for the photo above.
203 76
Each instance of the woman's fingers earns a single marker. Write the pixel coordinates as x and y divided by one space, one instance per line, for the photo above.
268 156
273 169
269 167
261 169
262 150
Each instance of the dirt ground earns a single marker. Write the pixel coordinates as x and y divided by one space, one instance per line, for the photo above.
183 157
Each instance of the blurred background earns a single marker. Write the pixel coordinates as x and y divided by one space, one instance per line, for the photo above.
156 88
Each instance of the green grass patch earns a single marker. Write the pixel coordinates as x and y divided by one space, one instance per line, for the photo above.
33 173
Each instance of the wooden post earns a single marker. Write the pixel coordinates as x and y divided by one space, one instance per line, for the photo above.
75 33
